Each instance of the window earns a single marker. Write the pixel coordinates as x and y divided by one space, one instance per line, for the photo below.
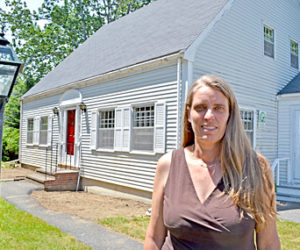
268 41
248 122
143 128
294 54
43 130
130 128
106 129
30 131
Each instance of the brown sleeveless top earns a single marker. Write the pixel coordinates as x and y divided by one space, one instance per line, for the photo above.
215 224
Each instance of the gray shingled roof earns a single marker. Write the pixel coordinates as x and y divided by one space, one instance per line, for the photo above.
161 28
292 87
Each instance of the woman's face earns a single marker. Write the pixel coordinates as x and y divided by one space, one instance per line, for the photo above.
208 116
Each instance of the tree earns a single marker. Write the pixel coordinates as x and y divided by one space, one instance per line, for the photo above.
67 23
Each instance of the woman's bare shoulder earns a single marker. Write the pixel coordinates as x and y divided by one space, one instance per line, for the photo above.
164 163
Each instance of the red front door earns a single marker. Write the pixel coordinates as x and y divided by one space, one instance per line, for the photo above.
71 132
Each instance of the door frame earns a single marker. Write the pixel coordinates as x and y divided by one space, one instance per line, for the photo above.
70 100
294 109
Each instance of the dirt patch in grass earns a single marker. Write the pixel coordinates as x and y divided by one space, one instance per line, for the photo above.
90 206
86 205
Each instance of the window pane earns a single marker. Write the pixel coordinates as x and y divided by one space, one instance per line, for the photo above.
143 128
106 138
268 42
44 123
30 137
106 129
43 137
294 54
30 124
142 139
248 124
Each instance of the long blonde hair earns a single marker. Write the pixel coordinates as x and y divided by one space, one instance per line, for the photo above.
246 174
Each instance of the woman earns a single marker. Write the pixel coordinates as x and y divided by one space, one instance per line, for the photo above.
215 191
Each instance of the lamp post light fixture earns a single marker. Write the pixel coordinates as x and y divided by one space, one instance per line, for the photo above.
10 67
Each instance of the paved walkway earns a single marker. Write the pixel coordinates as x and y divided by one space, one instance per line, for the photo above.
92 234
289 211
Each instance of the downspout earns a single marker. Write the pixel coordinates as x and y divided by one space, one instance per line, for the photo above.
79 158
179 101
20 131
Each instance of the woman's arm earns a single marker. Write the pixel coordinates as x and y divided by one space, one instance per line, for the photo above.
267 238
267 235
156 232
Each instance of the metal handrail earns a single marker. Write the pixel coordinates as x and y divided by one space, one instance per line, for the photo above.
276 167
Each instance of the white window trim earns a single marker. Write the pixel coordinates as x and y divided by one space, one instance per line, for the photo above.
264 24
254 110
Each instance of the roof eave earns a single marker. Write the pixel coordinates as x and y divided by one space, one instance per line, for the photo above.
139 66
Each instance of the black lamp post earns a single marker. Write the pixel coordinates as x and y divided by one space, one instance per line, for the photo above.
10 67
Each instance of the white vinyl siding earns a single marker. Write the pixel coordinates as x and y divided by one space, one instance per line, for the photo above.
132 168
268 41
35 154
30 127
294 54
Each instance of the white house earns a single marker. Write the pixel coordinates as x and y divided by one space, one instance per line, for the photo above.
132 76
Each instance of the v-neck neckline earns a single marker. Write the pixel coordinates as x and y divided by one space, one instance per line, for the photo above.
203 203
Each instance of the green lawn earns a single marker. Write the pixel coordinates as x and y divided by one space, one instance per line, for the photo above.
20 230
289 232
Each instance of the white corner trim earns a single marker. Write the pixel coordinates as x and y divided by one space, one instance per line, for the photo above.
192 49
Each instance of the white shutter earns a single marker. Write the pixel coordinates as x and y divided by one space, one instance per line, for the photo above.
94 129
49 136
160 127
126 129
118 135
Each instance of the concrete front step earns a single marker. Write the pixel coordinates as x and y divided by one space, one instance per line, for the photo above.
41 178
53 172
62 180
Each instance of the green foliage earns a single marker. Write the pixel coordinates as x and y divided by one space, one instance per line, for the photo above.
43 38
10 143
20 230
134 227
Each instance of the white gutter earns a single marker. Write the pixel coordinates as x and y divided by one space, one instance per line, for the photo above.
107 75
